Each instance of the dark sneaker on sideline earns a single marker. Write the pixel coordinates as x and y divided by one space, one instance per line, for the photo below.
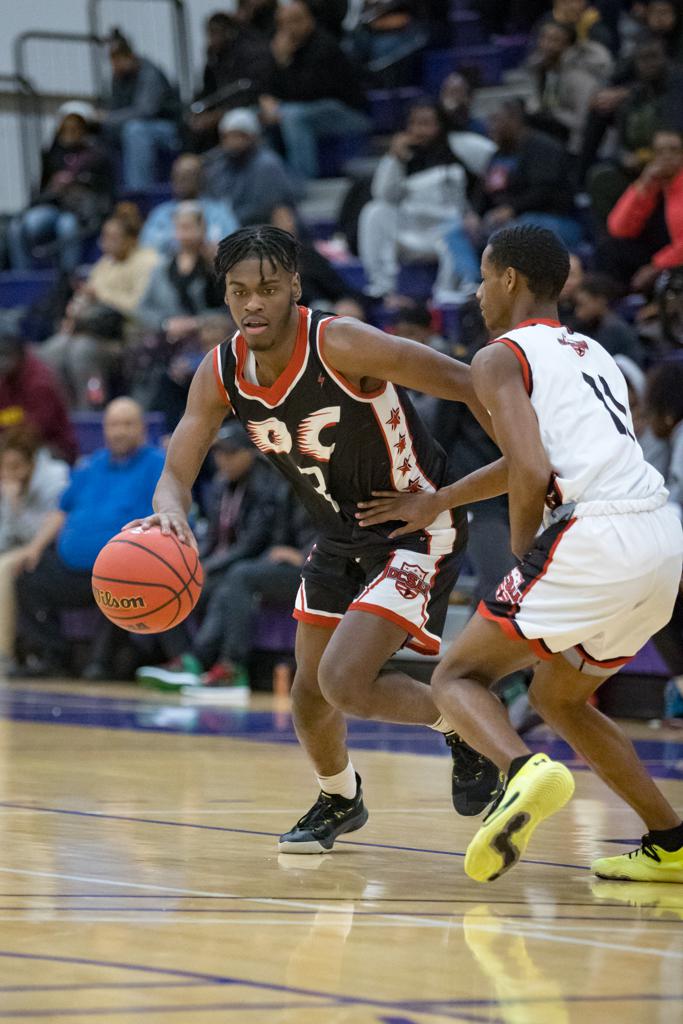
329 817
475 782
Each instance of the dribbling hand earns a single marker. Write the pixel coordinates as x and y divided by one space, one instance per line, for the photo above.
168 522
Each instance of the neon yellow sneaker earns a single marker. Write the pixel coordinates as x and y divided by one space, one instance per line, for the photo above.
649 863
538 790
664 901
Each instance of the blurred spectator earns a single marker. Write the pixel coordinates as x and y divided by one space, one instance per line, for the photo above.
322 285
314 89
664 407
245 169
29 394
259 14
110 488
121 275
593 316
528 180
350 307
652 101
456 97
662 180
330 15
419 191
663 332
87 352
31 484
183 287
514 15
235 74
224 642
187 183
74 194
415 323
243 510
142 112
172 382
565 74
583 19
663 18
567 302
385 37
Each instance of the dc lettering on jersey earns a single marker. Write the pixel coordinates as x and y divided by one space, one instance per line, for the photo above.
272 436
410 580
511 589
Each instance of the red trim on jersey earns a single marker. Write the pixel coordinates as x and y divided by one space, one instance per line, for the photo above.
424 644
519 352
316 620
609 663
533 323
274 393
551 553
513 632
219 376
339 377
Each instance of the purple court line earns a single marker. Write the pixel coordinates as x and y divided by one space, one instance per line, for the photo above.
77 987
357 913
252 832
427 1007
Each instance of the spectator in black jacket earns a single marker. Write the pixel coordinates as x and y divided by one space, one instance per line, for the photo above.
74 195
235 74
313 90
142 115
242 516
593 315
528 179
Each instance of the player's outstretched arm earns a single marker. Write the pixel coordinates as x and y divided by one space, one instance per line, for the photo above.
498 381
419 510
357 350
189 445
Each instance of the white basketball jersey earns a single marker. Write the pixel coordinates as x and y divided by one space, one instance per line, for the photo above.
580 399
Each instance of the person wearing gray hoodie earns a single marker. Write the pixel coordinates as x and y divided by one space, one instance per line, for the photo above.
31 483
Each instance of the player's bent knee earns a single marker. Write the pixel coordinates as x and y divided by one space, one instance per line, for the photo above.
345 687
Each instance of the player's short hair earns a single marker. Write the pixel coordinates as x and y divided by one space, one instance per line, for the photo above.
261 242
664 392
535 252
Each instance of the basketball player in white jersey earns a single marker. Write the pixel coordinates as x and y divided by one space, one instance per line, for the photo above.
600 557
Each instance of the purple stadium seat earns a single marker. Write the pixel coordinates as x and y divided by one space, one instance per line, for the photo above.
388 107
466 28
336 151
22 288
90 436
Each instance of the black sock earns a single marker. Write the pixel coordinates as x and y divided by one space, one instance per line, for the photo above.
516 763
670 839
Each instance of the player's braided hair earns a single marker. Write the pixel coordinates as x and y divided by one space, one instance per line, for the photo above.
262 242
535 252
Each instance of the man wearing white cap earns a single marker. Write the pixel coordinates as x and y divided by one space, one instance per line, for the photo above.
246 171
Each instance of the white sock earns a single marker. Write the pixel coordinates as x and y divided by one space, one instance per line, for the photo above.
441 725
342 784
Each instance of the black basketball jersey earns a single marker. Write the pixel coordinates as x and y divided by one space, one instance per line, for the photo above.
335 444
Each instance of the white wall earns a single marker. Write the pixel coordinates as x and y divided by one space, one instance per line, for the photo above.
65 68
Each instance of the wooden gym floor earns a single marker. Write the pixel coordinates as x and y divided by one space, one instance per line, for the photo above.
140 882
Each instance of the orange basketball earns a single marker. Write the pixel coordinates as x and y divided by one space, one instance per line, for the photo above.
145 581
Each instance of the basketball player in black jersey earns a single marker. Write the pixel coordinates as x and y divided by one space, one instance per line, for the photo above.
322 398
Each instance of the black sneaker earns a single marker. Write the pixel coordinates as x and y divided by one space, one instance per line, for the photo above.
475 781
329 817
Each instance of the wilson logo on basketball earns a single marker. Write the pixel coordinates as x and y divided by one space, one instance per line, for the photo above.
106 599
410 580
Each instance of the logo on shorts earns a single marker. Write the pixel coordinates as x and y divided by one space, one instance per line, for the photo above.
580 347
511 589
410 580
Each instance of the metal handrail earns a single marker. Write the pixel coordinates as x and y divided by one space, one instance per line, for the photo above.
29 103
181 43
